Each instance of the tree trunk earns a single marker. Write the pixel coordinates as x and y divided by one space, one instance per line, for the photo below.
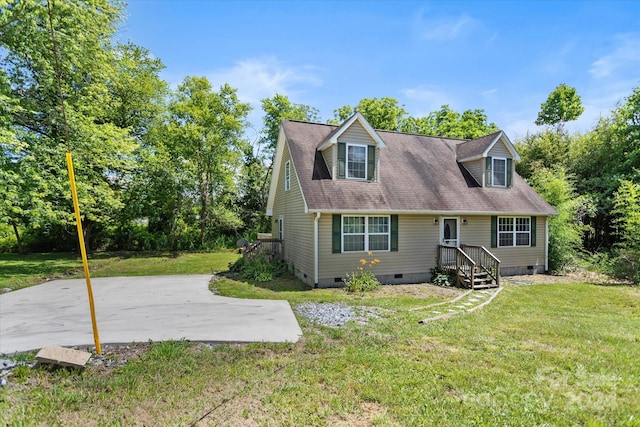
86 230
17 233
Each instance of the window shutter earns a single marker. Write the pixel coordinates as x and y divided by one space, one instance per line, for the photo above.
494 231
533 231
488 172
342 160
394 233
336 246
509 172
371 162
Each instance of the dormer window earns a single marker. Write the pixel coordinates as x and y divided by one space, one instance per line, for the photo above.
499 172
356 161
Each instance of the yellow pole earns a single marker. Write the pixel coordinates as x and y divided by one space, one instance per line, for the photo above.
85 263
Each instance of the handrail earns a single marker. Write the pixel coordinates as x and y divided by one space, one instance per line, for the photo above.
464 264
488 262
274 248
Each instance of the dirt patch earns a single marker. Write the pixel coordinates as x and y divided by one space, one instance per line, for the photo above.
421 290
581 276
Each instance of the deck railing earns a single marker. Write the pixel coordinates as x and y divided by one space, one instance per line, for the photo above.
485 260
456 261
272 248
468 262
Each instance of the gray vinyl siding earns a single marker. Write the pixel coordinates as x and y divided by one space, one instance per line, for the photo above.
476 169
417 244
298 226
499 150
356 134
330 155
477 231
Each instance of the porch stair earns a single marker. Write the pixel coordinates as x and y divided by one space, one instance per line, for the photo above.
473 266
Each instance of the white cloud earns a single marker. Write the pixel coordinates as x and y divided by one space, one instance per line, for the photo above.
443 27
424 99
624 56
258 78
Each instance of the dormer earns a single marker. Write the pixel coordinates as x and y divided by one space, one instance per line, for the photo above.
351 150
489 159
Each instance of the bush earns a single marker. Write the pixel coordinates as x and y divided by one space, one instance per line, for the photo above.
441 277
259 268
362 280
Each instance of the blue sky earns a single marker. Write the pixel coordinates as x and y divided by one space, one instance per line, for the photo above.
504 57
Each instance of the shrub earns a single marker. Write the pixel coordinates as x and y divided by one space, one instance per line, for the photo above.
259 268
362 280
441 277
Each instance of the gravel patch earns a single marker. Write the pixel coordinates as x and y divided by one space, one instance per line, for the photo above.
335 315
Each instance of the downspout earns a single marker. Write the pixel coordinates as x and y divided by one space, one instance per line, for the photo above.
316 219
546 244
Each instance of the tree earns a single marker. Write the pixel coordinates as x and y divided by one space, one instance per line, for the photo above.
276 109
204 131
449 123
566 228
102 150
562 105
627 208
548 149
381 113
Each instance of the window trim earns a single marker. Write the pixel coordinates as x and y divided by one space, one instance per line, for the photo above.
493 172
287 175
514 231
366 233
366 158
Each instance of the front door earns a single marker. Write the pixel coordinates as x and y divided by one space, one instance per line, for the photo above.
449 235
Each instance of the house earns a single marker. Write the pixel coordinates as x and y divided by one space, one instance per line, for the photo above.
416 201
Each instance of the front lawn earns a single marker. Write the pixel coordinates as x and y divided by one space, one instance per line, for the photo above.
552 354
21 271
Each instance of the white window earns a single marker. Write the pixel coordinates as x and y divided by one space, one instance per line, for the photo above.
365 233
499 169
287 175
356 161
514 231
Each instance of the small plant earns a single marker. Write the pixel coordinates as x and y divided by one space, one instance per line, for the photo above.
441 277
362 280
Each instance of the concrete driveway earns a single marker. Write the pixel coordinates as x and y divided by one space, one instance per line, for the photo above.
138 309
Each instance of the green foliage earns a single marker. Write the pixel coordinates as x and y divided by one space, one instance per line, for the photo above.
276 109
381 113
362 280
627 208
259 268
441 277
562 105
547 149
449 123
566 228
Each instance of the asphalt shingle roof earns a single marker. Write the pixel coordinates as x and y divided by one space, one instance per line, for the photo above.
417 173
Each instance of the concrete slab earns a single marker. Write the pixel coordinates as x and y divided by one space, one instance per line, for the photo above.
62 356
138 309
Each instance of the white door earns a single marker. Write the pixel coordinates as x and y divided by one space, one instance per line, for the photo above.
281 228
449 236
449 232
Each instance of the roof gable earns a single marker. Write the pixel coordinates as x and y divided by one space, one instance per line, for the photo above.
332 138
478 148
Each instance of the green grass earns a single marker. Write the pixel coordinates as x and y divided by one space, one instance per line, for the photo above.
556 355
20 271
